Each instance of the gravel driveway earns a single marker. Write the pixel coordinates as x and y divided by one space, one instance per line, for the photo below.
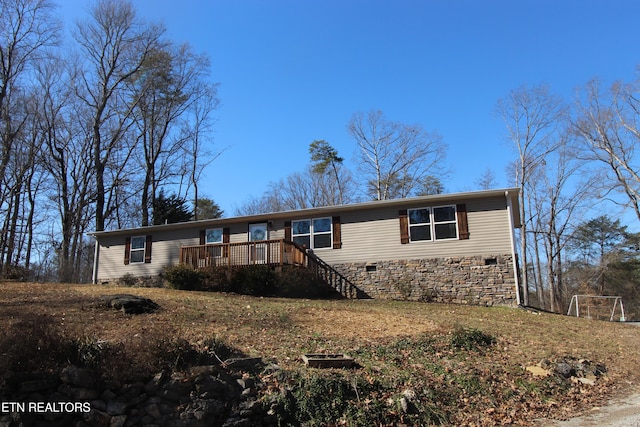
624 412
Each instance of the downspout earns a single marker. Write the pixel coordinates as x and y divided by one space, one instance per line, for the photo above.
512 236
96 254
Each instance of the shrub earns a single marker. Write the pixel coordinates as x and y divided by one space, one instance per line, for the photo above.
184 277
297 282
88 351
257 280
36 344
128 280
17 272
218 278
471 339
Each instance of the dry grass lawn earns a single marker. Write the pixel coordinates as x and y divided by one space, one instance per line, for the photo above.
284 329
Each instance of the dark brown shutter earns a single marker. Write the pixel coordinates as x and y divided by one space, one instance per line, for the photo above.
463 225
226 232
202 252
147 249
337 242
404 226
287 230
127 250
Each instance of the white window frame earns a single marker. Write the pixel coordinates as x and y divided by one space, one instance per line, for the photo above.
420 224
454 221
206 236
133 250
312 233
432 223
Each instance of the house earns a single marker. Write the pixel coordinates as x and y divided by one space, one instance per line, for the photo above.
448 247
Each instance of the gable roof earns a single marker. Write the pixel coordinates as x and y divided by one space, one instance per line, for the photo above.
510 193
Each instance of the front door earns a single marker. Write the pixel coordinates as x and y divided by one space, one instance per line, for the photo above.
258 233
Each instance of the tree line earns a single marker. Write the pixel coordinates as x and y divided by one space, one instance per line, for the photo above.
92 129
574 162
577 168
394 160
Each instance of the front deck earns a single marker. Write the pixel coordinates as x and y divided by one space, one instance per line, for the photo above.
269 252
273 253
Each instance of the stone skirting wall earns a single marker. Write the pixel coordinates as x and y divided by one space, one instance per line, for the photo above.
478 280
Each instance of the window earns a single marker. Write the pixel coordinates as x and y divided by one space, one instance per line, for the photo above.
420 224
138 246
213 236
437 223
444 222
312 233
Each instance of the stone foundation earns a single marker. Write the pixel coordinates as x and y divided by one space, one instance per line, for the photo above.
477 280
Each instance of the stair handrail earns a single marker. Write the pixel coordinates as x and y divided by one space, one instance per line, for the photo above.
352 290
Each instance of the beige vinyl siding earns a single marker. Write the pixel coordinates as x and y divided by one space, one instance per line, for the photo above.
165 250
375 236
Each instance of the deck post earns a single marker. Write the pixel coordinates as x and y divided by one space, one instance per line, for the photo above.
281 253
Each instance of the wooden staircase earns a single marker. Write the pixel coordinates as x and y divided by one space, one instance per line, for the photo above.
329 275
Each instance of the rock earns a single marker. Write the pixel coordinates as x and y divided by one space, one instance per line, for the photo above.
153 410
129 304
249 408
537 371
79 393
97 418
211 386
237 422
118 421
244 363
245 383
116 407
588 381
78 377
152 386
404 404
35 385
565 370
409 394
100 405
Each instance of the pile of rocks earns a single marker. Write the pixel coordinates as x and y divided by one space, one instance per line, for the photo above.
226 395
128 304
577 369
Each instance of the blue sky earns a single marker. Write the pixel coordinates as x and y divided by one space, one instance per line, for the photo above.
291 72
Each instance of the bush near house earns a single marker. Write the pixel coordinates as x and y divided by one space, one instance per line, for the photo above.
254 280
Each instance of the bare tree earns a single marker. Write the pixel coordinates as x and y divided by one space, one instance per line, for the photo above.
608 125
70 171
560 195
196 139
116 46
394 157
487 180
170 84
310 189
27 30
302 190
532 117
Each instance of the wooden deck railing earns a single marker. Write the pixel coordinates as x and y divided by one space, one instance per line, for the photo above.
267 252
